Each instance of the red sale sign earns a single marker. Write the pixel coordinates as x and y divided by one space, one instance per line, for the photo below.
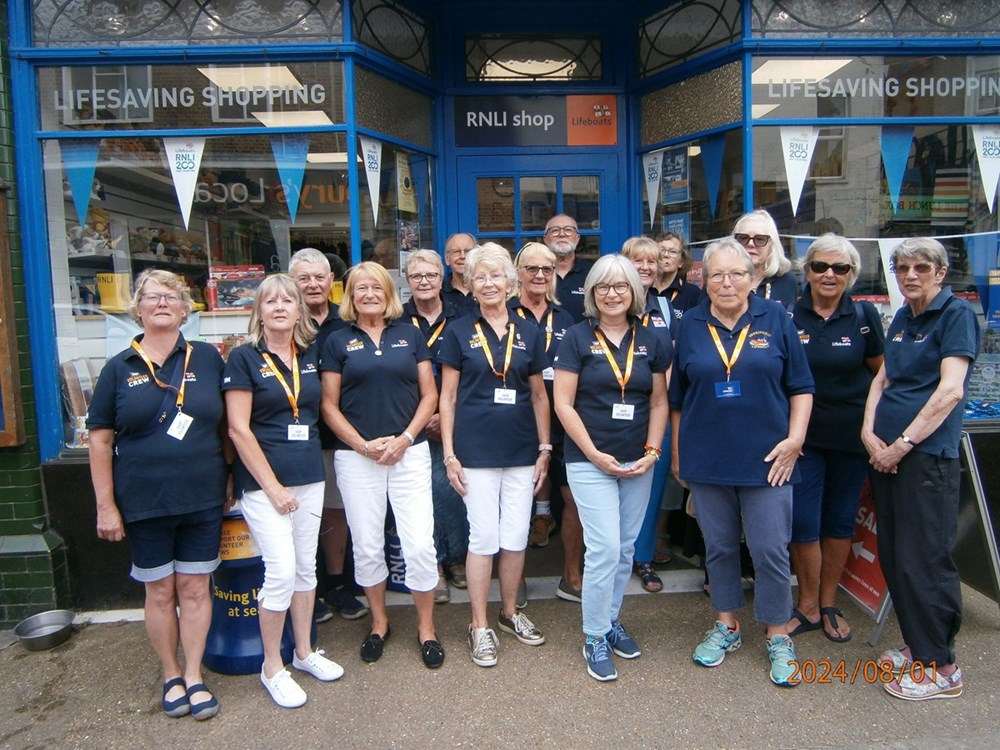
862 577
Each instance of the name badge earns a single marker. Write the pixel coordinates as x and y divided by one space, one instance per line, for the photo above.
549 373
179 427
504 396
623 411
298 432
728 390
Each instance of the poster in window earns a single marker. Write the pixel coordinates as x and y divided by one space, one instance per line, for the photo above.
675 176
406 198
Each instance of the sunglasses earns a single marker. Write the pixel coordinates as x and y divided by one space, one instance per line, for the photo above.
921 268
819 267
758 240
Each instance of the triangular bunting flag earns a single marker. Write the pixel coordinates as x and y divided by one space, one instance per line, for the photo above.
896 143
290 153
713 148
184 157
80 162
797 144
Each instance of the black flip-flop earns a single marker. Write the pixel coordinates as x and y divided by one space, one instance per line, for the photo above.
804 626
832 613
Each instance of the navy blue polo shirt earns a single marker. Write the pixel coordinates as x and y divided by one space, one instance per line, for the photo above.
154 474
681 295
487 434
379 387
464 303
331 323
569 288
724 440
914 349
837 349
433 331
782 289
294 462
597 388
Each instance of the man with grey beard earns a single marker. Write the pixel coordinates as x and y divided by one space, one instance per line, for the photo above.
561 237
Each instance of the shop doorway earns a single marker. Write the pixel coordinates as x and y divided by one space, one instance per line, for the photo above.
508 199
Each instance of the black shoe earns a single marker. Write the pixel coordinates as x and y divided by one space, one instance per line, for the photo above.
371 649
432 652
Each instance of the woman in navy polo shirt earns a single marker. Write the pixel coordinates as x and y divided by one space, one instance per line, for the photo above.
495 433
738 364
843 341
611 396
272 397
157 407
912 428
378 394
672 283
536 302
772 277
430 311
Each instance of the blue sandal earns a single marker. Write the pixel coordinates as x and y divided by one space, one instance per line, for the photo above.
205 709
179 707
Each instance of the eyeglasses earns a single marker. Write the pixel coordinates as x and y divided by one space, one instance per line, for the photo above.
819 267
457 252
495 278
733 276
417 278
670 252
153 298
547 271
561 231
921 268
758 240
620 288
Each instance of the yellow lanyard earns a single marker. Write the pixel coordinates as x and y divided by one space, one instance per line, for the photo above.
293 395
622 379
489 354
437 331
722 351
674 295
149 364
548 326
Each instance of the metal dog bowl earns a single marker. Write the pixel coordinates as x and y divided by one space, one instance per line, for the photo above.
45 630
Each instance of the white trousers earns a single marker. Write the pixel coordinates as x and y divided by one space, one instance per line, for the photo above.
499 505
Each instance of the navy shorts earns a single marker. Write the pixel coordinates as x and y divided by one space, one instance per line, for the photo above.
825 500
557 470
185 543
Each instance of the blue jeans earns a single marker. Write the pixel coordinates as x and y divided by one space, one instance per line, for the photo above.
611 511
645 543
766 513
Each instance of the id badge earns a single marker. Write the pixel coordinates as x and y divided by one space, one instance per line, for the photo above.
298 432
623 411
504 396
728 390
549 373
179 427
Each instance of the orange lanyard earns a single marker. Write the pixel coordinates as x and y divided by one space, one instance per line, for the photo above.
622 379
180 391
293 395
489 354
437 331
548 327
722 351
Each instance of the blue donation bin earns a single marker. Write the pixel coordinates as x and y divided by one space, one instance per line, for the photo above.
234 645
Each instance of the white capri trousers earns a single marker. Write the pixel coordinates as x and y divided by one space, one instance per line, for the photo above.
499 505
287 543
365 486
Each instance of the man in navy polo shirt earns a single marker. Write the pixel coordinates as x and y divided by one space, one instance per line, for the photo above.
453 290
561 237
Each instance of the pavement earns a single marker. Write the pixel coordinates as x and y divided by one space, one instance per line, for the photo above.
101 689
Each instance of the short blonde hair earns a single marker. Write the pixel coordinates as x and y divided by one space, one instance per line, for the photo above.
610 269
493 256
834 243
373 270
424 256
304 333
536 249
168 279
639 247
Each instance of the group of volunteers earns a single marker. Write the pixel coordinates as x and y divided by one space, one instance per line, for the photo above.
514 386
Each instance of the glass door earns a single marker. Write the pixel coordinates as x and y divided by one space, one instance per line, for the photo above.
508 199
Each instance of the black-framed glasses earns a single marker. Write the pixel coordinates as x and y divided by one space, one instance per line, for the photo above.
901 269
561 231
546 271
819 267
757 240
431 277
619 287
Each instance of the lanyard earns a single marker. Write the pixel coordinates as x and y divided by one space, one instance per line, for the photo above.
548 326
489 354
674 295
437 331
622 379
767 290
722 351
180 391
293 395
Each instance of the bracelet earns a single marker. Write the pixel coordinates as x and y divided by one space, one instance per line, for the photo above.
652 450
408 436
366 449
449 459
544 448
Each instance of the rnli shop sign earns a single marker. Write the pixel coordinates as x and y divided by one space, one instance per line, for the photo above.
536 121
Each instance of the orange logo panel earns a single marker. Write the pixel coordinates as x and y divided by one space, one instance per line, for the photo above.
591 120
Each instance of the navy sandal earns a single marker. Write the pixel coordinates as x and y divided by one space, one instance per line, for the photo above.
179 707
832 613
205 709
804 625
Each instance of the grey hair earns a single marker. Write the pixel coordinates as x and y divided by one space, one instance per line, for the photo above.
424 256
308 255
610 269
726 246
925 247
777 264
834 243
493 256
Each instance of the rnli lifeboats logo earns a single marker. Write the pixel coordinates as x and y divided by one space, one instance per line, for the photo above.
759 340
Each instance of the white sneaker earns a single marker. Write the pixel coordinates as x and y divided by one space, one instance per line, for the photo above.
283 689
318 666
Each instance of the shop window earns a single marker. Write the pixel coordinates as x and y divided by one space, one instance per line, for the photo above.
248 214
140 23
684 30
395 31
525 58
389 107
702 102
864 18
115 77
